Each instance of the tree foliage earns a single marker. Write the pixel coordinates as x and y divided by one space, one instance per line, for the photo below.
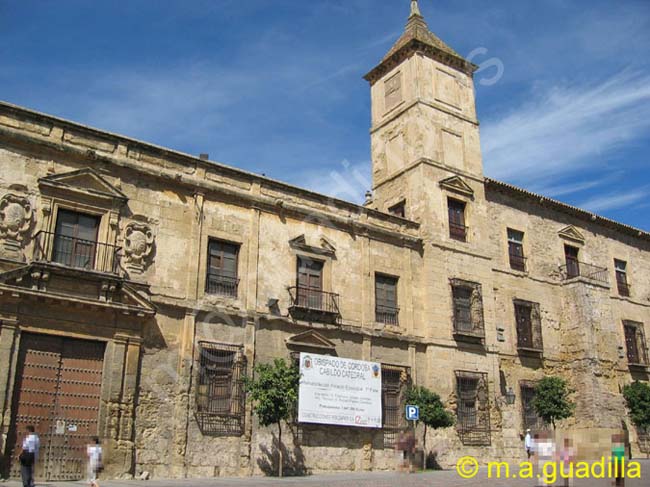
432 411
273 391
637 397
552 402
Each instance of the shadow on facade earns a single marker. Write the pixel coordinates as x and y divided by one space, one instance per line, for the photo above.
293 459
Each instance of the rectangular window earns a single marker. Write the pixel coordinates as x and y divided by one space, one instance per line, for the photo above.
468 308
310 283
635 343
394 382
516 250
529 415
529 326
398 210
572 263
457 228
75 239
222 268
473 411
621 277
386 310
220 397
393 91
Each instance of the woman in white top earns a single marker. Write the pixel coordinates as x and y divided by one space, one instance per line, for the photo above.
94 452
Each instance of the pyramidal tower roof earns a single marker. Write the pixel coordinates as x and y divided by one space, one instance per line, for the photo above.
418 38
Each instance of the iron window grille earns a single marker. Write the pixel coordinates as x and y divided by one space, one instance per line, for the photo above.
529 326
620 267
637 353
222 266
516 250
394 383
468 309
473 408
220 395
530 418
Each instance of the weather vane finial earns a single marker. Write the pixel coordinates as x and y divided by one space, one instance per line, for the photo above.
415 9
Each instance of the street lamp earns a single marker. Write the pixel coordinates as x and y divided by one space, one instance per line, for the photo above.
510 396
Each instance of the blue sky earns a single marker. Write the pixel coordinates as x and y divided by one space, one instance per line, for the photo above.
275 86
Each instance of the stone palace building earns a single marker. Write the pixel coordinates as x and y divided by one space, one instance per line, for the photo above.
139 286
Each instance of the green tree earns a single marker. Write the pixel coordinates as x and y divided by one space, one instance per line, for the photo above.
432 412
273 391
552 402
637 397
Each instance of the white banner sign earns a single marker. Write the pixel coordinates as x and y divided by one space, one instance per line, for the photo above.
339 391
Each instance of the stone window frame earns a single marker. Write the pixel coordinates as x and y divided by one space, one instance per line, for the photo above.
516 262
384 317
640 341
621 277
211 419
393 400
473 428
535 317
227 291
398 209
242 265
477 320
537 423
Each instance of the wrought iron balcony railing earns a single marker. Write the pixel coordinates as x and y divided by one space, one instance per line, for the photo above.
221 285
314 305
387 315
76 253
458 231
517 262
575 269
623 288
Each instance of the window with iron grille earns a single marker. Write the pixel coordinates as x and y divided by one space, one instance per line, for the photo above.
220 397
222 268
473 408
516 250
393 91
621 277
529 326
468 309
394 382
529 415
637 353
399 209
457 228
386 310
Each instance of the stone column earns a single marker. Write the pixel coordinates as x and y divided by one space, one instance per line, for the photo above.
9 341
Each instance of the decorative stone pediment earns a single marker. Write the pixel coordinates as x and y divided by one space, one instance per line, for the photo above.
138 246
322 247
572 233
311 339
83 182
16 217
457 185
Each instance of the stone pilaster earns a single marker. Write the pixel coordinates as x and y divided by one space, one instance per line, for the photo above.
9 339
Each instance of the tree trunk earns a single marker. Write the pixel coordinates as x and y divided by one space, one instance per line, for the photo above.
280 462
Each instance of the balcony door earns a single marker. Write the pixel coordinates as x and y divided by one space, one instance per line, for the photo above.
310 283
572 264
75 239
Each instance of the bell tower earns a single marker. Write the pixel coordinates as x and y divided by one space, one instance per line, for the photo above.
424 126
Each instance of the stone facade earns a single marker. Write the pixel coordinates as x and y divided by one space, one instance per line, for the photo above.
148 292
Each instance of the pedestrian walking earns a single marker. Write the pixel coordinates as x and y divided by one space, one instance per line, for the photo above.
29 456
528 444
95 462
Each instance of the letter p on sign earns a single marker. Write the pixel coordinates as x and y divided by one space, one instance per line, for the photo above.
412 413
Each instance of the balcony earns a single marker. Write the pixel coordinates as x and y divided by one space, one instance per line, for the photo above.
517 262
221 285
575 268
314 305
458 231
387 315
76 253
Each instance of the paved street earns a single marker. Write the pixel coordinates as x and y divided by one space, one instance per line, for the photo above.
448 478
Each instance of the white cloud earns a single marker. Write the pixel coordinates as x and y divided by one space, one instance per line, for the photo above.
348 181
614 201
565 129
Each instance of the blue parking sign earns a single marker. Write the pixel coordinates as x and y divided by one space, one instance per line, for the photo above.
412 413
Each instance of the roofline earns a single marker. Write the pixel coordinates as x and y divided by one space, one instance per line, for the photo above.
184 157
569 209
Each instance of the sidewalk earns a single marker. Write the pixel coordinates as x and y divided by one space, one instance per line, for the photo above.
447 478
